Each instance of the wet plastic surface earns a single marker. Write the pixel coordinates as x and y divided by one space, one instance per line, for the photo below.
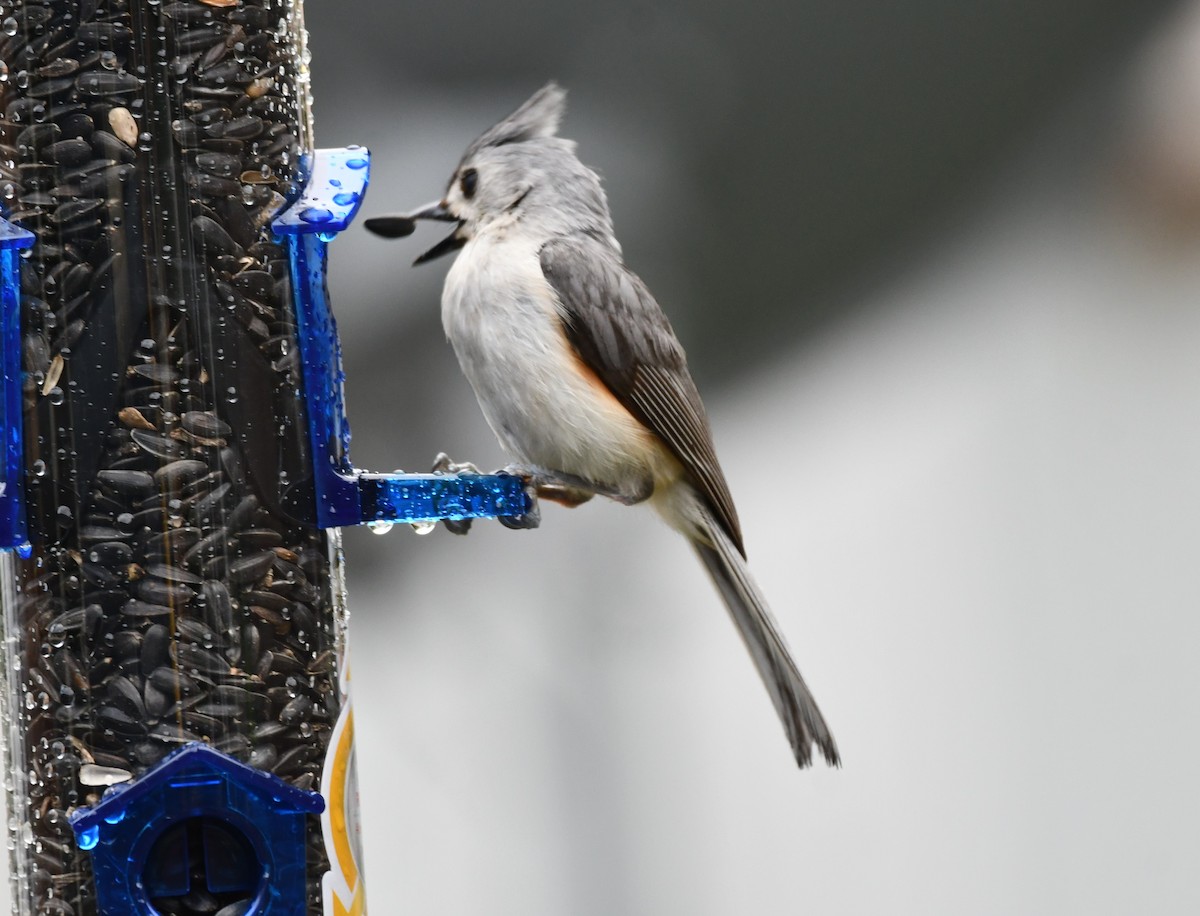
176 589
244 829
343 494
13 240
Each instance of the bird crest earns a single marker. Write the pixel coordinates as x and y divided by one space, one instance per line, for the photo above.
537 117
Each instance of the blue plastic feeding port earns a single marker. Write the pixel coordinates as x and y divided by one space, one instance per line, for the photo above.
199 817
346 496
12 504
337 182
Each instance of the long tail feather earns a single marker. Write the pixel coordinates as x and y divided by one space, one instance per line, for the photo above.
802 720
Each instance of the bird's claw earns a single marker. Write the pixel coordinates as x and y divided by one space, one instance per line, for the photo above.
444 464
459 526
532 518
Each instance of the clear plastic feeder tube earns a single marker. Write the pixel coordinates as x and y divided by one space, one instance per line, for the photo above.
175 592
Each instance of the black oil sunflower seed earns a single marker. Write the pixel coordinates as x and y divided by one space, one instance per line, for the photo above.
166 596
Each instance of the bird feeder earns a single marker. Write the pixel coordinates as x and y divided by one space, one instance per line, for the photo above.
175 465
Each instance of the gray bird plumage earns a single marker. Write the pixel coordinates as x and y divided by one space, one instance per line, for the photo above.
578 371
625 338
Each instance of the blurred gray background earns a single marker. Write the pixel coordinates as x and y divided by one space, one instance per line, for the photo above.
936 268
936 265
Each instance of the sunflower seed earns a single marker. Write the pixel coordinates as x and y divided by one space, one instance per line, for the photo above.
68 152
107 83
92 775
123 125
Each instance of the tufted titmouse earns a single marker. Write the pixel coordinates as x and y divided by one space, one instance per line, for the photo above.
578 371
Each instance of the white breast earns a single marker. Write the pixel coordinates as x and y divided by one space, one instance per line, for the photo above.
501 316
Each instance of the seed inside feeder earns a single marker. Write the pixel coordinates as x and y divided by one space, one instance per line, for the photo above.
155 534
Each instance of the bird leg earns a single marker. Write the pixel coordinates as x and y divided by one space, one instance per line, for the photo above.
565 489
571 490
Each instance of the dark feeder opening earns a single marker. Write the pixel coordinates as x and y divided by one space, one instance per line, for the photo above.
202 864
200 833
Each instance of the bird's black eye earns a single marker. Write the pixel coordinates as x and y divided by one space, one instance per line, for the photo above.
467 182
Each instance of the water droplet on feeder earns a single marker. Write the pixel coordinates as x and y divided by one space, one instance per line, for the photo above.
315 215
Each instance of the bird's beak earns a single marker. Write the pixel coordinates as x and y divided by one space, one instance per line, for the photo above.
402 224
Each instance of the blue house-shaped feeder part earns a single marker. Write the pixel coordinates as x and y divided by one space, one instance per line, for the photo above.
199 816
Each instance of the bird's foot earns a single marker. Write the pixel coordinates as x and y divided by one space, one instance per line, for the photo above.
564 489
529 520
571 490
529 480
459 526
444 464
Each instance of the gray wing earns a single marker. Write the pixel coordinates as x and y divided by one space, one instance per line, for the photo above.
621 333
